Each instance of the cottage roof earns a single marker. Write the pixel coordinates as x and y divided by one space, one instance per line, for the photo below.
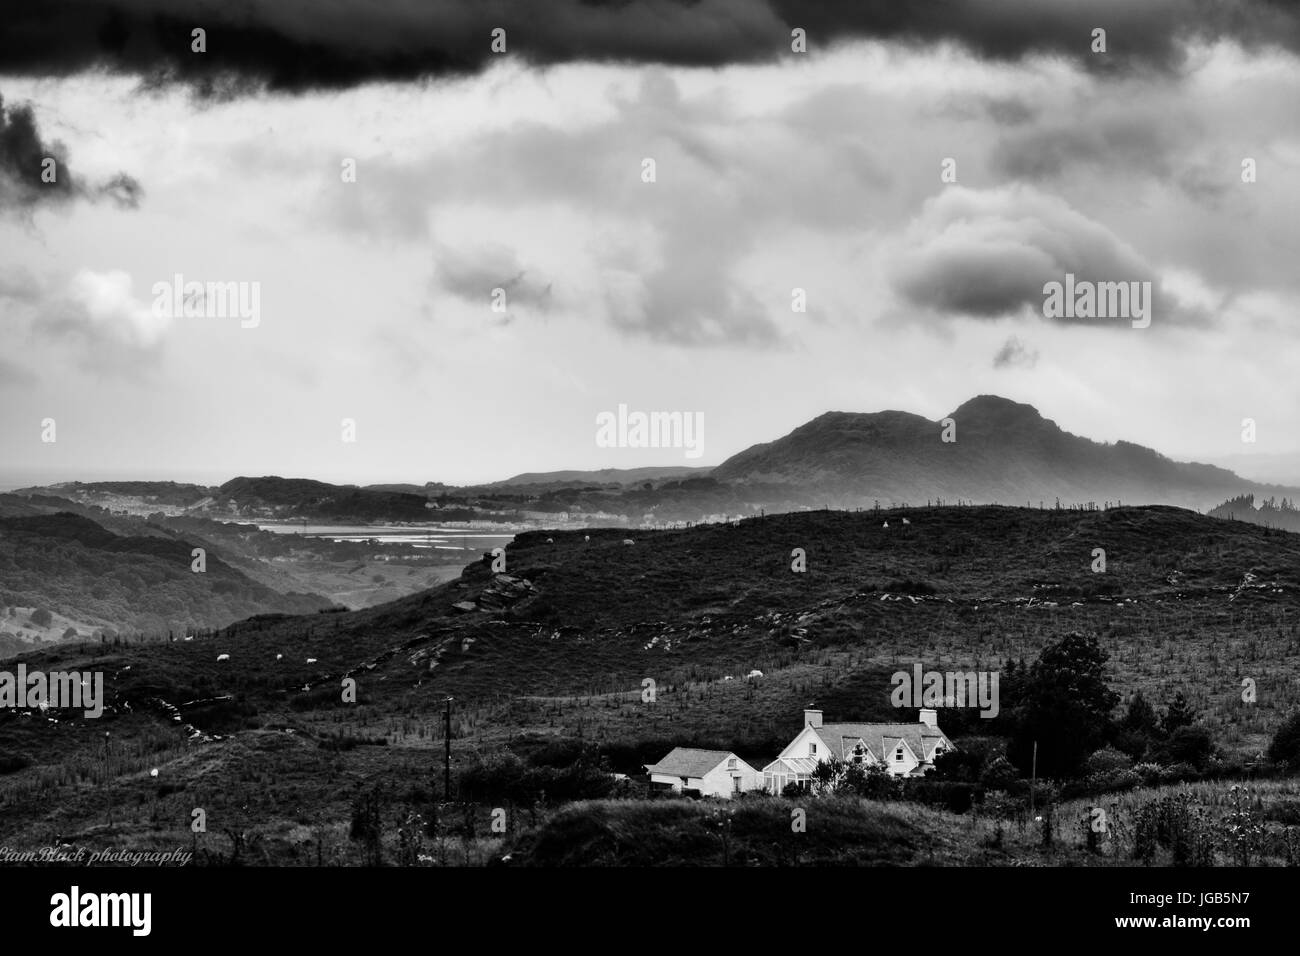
687 762
880 739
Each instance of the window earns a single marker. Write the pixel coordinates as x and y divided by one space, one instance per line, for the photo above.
858 753
731 764
898 754
812 750
735 783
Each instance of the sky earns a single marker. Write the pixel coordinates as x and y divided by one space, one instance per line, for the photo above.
524 171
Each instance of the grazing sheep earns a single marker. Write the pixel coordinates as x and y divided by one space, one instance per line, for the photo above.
885 525
628 541
550 541
153 772
222 657
311 660
586 537
752 674
905 521
279 657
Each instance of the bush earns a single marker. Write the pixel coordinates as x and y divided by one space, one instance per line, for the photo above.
999 775
41 617
509 779
1190 745
1178 773
1151 773
1111 780
12 762
1285 747
1107 760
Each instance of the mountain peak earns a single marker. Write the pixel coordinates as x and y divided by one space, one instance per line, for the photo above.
995 408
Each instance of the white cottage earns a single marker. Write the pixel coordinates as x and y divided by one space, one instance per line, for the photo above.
714 773
902 749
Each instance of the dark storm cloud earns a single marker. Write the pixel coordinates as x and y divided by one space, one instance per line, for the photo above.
297 44
24 182
23 159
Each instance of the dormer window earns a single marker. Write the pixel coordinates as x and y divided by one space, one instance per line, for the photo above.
898 755
731 763
812 750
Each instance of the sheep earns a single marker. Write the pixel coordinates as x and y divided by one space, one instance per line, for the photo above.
885 525
550 541
628 541
279 657
905 521
311 660
222 657
752 674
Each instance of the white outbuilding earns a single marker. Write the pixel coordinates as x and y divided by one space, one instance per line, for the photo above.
711 773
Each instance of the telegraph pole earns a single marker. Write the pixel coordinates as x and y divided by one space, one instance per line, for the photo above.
446 763
1033 779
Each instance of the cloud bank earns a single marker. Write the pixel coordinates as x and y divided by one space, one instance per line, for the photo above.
301 44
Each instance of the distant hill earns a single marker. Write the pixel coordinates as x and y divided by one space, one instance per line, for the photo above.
602 476
272 496
73 567
1004 452
156 492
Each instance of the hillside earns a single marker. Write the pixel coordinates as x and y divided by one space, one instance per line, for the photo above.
1004 452
559 647
91 578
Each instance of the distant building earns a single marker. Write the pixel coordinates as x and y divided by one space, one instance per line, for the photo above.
712 773
904 750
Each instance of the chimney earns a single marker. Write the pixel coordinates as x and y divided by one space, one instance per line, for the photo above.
929 717
812 718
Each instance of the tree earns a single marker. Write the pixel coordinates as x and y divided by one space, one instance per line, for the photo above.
1178 714
1141 716
1066 707
1139 729
41 617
